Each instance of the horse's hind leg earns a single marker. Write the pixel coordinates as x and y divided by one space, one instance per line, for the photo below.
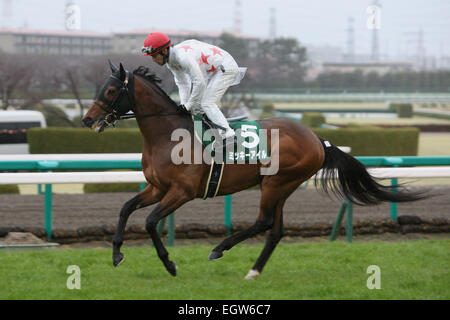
261 225
263 222
273 238
146 197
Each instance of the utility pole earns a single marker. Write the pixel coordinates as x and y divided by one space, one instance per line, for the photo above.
351 40
417 40
237 27
7 13
273 24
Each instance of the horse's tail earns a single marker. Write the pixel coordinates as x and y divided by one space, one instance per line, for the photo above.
348 178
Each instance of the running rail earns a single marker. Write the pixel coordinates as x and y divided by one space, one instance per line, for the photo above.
138 176
48 162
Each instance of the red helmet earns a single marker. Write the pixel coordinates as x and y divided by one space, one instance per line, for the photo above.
155 42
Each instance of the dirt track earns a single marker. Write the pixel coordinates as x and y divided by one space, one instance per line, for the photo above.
71 212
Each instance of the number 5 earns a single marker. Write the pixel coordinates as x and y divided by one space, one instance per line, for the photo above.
245 133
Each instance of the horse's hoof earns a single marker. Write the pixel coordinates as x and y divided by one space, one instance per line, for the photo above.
215 255
118 260
172 268
252 274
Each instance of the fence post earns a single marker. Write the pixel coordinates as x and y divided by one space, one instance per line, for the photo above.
228 213
349 226
394 205
346 205
337 224
171 230
48 210
395 162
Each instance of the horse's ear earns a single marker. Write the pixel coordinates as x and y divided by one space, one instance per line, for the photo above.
122 72
113 68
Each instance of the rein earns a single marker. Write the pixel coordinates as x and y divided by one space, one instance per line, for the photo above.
134 115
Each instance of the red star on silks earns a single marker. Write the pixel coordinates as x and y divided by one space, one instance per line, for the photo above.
212 69
186 47
204 59
216 51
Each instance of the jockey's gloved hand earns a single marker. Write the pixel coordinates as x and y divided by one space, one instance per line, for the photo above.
183 108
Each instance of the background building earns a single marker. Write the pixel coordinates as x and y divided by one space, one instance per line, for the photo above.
132 41
25 41
366 68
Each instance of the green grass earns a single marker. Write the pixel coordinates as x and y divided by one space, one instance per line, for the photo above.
409 270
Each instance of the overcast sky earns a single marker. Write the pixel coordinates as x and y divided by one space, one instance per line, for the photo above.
313 22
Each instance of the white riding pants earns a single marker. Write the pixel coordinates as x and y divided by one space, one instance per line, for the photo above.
215 89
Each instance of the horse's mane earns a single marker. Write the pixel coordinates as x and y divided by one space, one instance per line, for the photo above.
146 74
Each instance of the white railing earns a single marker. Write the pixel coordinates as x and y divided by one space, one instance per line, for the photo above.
71 177
70 156
138 176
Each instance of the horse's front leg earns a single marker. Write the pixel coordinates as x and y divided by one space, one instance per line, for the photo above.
171 201
146 197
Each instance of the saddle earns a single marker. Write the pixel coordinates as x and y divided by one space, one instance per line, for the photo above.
208 124
249 147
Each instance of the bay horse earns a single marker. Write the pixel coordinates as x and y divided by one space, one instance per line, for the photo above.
301 155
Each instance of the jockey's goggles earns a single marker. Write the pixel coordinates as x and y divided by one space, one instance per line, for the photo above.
151 51
147 50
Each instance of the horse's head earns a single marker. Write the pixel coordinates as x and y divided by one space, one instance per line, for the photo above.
115 99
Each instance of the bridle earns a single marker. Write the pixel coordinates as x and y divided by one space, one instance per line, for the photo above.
113 109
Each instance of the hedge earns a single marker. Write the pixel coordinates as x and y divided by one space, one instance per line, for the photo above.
9 188
312 119
84 140
404 110
363 141
374 142
111 187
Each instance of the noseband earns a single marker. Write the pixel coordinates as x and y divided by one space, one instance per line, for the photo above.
112 109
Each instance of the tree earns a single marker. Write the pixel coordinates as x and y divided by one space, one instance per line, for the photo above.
95 70
14 73
235 46
287 58
66 72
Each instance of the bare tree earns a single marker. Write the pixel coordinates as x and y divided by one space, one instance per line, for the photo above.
95 71
66 73
14 73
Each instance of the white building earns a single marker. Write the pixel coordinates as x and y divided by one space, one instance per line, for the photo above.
25 41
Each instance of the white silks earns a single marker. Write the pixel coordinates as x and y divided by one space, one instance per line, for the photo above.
203 73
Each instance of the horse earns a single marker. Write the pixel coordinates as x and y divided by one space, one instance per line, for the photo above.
301 154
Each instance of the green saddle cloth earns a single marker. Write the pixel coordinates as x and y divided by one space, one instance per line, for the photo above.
251 141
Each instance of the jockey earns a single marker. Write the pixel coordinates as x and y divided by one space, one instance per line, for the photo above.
202 72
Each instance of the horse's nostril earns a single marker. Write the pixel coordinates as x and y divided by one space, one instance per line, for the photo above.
87 121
